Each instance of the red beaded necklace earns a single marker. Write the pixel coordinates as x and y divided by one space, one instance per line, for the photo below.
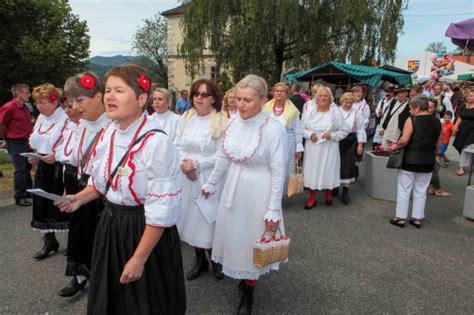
115 183
278 111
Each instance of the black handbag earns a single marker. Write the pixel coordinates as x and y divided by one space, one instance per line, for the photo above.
395 160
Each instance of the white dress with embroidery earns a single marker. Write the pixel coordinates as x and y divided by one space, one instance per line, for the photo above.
65 150
169 122
196 143
87 132
48 132
254 151
322 162
149 176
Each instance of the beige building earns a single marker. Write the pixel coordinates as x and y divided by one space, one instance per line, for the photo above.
177 77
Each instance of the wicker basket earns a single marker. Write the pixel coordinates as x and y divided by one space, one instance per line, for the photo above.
296 181
269 251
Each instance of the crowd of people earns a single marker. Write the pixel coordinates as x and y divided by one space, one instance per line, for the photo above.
211 173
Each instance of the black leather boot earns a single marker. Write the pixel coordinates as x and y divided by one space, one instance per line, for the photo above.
246 301
23 202
201 265
50 245
216 267
72 287
345 195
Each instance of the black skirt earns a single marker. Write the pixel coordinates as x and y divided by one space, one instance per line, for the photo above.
46 216
81 228
160 290
348 150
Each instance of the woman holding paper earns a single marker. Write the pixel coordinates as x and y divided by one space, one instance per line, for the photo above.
323 129
46 138
254 150
197 141
136 261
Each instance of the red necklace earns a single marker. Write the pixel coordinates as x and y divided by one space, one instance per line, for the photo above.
278 111
115 183
43 132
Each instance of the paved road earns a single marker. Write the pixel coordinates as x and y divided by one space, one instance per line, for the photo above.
342 259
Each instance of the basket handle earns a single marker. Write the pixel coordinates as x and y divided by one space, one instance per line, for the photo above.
272 238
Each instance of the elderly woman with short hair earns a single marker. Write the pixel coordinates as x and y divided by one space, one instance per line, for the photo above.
165 119
420 138
322 126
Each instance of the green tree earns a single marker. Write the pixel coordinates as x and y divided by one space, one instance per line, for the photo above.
150 42
263 36
42 41
436 47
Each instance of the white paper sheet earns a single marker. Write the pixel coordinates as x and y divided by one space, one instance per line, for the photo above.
32 155
47 195
208 207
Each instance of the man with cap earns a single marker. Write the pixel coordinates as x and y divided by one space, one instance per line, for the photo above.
388 101
395 117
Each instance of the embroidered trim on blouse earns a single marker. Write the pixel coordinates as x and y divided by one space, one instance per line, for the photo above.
228 151
160 196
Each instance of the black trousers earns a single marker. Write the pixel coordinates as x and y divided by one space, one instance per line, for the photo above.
21 177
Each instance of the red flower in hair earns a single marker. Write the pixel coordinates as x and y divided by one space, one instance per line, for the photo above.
144 82
53 96
87 81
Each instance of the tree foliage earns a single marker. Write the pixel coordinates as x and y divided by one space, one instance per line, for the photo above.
436 47
42 41
150 42
261 36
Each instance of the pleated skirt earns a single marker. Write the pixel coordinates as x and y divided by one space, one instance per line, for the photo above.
81 228
160 290
348 150
244 202
46 216
322 165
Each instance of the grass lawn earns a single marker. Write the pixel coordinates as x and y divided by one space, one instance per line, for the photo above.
6 182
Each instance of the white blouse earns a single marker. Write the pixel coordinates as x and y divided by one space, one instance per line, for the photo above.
149 175
363 108
48 132
196 143
294 125
169 122
87 131
321 122
257 141
64 151
352 121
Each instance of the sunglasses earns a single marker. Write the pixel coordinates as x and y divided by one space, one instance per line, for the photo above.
202 95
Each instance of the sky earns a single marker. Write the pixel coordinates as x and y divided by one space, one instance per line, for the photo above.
112 23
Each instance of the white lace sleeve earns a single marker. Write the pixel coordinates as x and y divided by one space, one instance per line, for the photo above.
278 148
163 198
221 165
360 131
296 124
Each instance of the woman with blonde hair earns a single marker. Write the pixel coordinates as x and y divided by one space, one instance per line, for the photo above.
352 144
197 141
254 152
283 110
164 118
228 103
45 140
323 129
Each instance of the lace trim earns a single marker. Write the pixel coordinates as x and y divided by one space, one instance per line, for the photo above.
209 188
232 154
273 216
206 245
247 275
160 225
159 196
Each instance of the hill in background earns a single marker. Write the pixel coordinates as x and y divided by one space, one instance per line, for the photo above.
100 64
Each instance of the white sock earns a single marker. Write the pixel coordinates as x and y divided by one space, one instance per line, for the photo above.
80 279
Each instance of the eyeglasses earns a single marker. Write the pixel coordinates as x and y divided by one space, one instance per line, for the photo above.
202 95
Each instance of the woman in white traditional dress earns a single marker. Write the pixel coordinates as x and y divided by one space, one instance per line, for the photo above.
47 136
282 109
360 105
254 150
165 119
197 142
352 144
229 108
322 126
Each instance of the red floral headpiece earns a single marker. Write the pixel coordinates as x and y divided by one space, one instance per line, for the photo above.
144 82
87 81
53 96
